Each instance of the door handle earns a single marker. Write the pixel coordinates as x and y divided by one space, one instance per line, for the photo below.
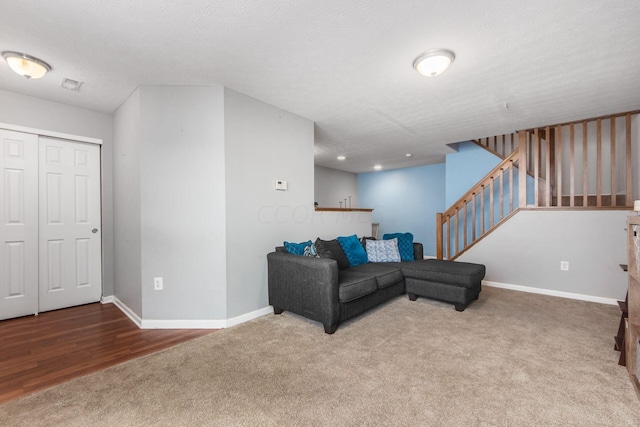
94 231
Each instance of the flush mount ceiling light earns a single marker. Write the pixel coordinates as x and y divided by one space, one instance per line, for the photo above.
26 65
433 62
341 157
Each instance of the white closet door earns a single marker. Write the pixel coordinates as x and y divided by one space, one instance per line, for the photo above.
18 224
70 236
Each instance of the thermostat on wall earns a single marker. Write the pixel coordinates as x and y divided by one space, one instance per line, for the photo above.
281 185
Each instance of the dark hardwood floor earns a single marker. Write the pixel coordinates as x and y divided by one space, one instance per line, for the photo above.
37 352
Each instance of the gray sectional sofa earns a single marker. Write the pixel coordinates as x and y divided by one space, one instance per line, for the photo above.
318 289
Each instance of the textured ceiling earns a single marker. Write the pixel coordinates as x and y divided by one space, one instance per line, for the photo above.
346 65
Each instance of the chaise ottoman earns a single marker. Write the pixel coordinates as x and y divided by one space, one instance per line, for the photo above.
454 282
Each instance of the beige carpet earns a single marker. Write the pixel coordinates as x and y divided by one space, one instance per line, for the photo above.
511 359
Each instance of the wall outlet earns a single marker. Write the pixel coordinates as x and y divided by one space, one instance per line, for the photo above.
158 285
564 265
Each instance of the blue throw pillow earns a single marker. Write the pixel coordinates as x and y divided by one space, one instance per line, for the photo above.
296 248
353 250
405 244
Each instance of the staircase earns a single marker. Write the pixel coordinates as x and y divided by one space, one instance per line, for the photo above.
585 164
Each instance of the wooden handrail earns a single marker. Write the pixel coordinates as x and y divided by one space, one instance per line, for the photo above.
485 180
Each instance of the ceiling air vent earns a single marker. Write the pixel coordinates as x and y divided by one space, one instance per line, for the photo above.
71 84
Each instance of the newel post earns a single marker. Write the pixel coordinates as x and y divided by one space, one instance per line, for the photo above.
439 235
522 169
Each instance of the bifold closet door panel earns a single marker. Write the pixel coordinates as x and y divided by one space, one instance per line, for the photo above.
18 224
70 227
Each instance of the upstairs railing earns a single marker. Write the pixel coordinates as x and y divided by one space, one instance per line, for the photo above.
586 164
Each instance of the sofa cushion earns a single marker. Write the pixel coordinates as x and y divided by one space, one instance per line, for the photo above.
384 274
442 271
332 249
383 250
353 250
405 244
296 248
353 285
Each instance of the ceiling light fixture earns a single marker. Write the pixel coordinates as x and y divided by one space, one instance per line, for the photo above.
377 167
27 66
433 62
408 155
341 157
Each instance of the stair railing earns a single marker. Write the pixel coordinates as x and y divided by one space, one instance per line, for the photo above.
493 199
586 164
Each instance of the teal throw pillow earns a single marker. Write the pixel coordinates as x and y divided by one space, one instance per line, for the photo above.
353 250
405 244
296 248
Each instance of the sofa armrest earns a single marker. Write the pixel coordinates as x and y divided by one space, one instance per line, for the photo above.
304 285
418 251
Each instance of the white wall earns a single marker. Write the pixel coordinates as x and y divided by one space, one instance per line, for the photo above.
333 186
182 213
126 203
528 248
263 144
46 115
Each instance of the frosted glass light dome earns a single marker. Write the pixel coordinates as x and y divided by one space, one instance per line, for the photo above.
433 62
26 65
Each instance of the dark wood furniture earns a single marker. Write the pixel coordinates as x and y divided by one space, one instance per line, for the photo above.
632 323
619 338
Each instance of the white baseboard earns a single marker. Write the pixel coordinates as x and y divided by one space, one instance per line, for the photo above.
249 316
185 324
127 311
561 294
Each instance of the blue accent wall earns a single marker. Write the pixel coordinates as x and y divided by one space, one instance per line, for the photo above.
465 168
406 200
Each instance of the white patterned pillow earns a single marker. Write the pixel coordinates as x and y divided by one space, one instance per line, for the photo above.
383 250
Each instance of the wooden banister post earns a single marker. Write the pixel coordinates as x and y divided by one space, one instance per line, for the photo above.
439 235
522 169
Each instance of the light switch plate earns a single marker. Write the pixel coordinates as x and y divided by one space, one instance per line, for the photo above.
281 185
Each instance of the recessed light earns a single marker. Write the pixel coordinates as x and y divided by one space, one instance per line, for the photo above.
408 155
341 157
377 167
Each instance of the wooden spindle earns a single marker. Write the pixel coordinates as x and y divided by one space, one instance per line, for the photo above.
522 169
599 163
491 210
501 194
439 242
614 190
585 167
482 208
547 196
536 168
629 171
559 191
511 186
473 217
448 237
572 166
456 232
464 222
